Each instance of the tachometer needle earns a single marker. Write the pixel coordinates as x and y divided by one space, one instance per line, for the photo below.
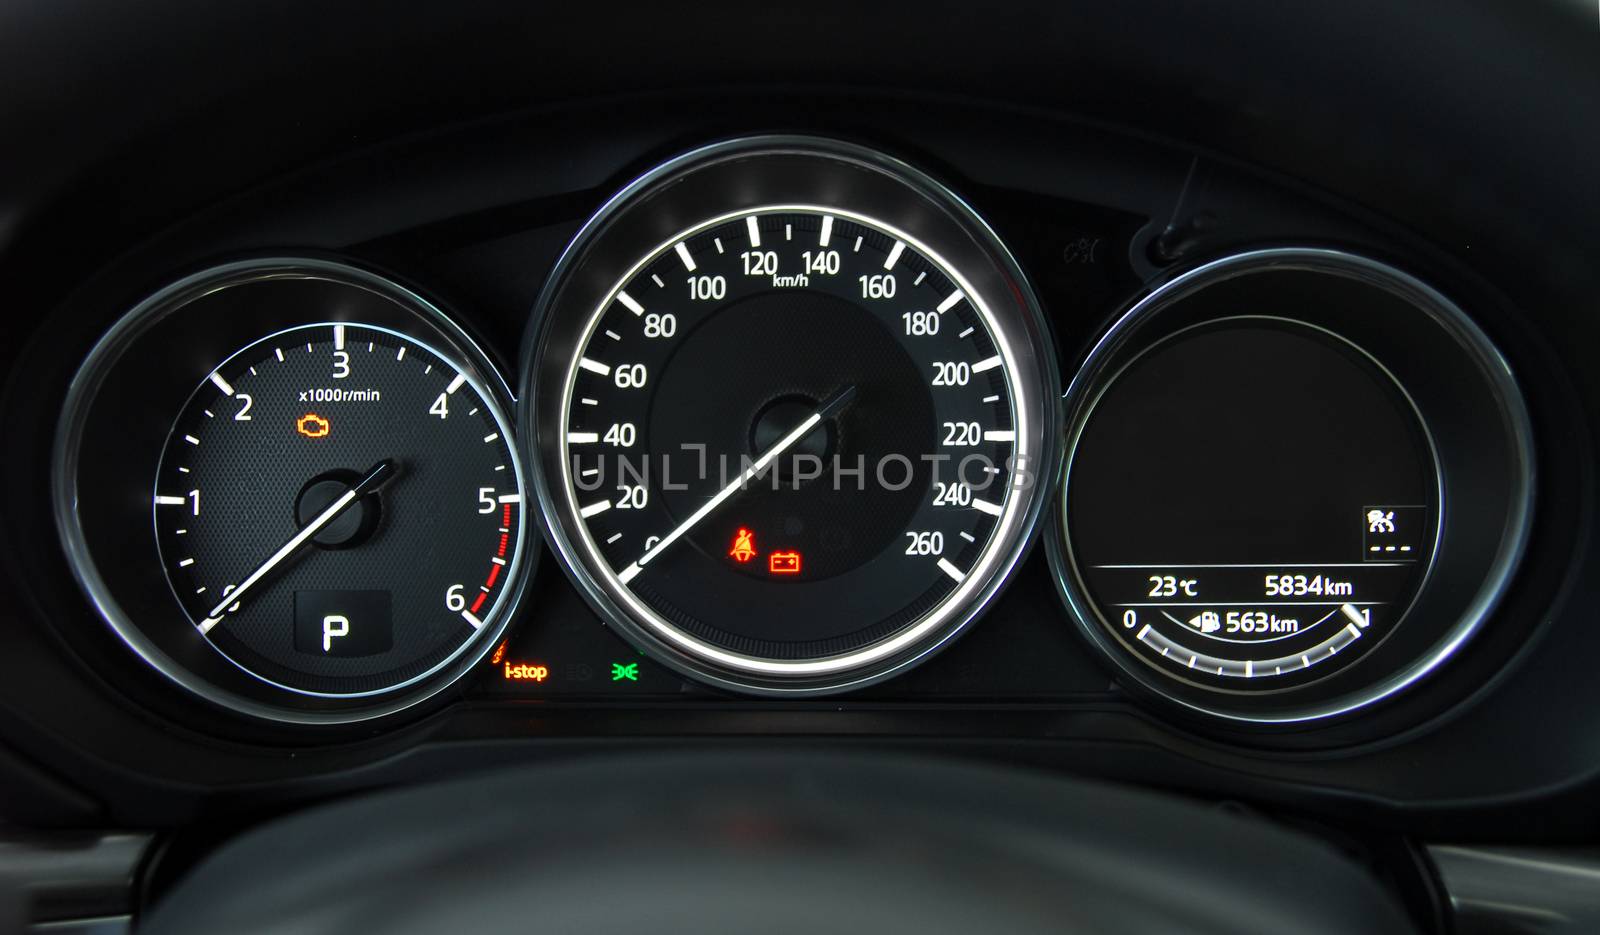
829 408
381 473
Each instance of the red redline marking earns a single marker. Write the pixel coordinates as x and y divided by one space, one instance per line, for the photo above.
494 570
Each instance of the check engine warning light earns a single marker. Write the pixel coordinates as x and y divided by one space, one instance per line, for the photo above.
784 563
744 546
312 425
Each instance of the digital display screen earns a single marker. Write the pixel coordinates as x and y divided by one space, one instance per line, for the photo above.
1252 504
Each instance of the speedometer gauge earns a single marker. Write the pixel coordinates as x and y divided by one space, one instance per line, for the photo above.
791 399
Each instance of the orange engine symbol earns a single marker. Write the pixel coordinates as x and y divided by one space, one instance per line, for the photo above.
784 563
312 425
744 546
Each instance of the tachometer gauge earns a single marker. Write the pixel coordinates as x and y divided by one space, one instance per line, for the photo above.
337 508
1297 481
790 404
292 487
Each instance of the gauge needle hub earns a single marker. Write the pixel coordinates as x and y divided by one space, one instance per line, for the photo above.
828 409
380 474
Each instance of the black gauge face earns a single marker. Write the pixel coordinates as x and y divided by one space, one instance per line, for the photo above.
815 340
1252 504
338 509
789 441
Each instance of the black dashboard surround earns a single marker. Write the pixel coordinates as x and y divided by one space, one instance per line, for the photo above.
1112 146
740 841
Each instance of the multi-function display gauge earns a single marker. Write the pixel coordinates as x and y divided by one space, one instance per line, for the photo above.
292 487
1296 482
791 400
1253 502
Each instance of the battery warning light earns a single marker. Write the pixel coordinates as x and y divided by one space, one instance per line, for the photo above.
784 563
312 425
744 546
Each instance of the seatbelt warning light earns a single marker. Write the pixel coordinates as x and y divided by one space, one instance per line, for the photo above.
744 546
784 563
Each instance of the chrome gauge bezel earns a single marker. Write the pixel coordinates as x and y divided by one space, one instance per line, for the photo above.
1471 412
166 348
762 175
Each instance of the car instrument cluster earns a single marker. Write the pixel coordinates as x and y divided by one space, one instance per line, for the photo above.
789 415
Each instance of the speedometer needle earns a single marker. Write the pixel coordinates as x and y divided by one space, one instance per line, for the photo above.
381 474
829 408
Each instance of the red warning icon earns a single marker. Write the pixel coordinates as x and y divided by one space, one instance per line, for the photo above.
744 546
784 563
